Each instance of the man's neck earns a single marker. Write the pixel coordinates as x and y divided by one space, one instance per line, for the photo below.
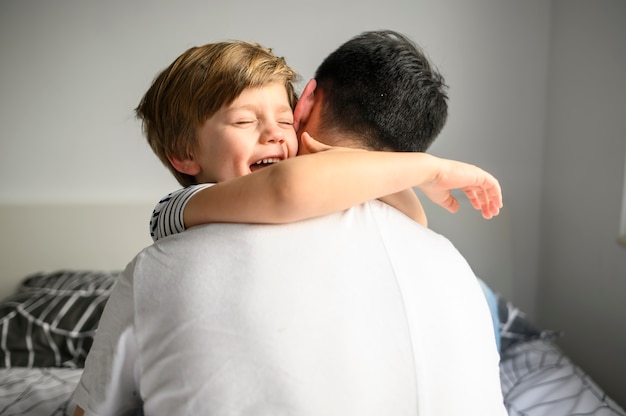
341 139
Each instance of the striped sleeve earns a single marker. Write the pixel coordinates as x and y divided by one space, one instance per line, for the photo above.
167 217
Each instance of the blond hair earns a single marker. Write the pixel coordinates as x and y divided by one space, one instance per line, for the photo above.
196 85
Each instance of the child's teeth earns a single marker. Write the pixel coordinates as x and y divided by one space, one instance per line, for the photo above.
267 161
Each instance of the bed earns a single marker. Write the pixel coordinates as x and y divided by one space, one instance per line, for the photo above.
57 279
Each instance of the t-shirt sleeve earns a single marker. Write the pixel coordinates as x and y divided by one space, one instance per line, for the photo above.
167 217
108 385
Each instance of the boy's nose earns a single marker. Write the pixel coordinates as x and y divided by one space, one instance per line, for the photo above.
271 134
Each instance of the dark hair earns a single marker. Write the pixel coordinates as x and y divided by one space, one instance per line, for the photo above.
380 86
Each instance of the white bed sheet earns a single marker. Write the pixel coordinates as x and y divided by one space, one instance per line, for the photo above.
538 379
37 391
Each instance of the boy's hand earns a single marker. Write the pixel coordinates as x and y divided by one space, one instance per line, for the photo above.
480 187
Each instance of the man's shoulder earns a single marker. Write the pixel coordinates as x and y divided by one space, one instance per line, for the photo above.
397 222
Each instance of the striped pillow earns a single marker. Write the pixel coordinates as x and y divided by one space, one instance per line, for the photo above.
51 320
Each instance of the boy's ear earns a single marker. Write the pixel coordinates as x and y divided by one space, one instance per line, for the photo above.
188 165
303 108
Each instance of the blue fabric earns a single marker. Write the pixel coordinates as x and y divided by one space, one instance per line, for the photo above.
492 301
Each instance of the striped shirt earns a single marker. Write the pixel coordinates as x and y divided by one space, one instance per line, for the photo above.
167 217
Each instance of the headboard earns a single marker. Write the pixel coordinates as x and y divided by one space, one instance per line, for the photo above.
50 237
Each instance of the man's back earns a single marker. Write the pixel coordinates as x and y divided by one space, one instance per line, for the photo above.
358 313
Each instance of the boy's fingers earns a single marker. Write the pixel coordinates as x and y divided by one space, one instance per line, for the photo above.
310 145
451 204
495 209
473 197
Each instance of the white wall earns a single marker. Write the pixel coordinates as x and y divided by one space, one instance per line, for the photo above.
73 70
582 284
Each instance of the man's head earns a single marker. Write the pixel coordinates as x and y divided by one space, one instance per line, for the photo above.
378 90
195 86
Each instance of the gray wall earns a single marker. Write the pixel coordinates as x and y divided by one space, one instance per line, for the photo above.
582 278
71 72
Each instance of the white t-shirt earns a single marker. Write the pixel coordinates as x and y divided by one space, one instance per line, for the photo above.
363 312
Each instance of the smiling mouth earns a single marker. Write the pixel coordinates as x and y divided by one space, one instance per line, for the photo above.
263 163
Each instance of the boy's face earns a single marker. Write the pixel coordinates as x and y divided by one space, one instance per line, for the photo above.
254 131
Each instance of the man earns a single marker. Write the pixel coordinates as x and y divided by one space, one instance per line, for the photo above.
360 312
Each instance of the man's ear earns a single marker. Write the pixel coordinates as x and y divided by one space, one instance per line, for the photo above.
188 165
303 109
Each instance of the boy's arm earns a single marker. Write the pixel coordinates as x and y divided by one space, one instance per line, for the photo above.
336 179
167 217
